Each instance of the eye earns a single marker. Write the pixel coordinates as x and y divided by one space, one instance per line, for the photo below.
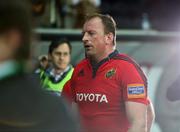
57 53
66 54
91 33
83 33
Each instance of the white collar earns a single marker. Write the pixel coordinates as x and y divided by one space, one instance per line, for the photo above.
58 76
52 71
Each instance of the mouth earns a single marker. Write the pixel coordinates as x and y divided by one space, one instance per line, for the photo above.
88 47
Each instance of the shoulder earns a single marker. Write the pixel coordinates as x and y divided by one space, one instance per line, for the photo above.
130 68
124 57
128 64
79 67
81 64
124 61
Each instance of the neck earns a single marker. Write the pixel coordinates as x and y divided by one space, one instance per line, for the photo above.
97 59
58 71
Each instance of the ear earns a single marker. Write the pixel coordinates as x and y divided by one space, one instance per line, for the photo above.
109 38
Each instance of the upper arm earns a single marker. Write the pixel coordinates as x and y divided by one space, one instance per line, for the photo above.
135 111
150 116
136 114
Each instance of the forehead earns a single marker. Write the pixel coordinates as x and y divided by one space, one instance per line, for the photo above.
93 24
62 48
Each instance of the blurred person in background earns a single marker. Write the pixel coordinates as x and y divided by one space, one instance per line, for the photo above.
71 12
54 78
43 64
65 12
109 88
24 105
83 8
41 13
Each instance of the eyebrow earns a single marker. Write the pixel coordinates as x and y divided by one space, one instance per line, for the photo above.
88 31
61 52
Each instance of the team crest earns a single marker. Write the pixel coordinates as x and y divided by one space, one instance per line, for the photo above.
110 73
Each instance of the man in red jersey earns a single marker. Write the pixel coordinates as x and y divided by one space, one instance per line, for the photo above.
109 88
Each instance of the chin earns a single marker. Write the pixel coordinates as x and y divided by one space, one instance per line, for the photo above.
89 54
62 67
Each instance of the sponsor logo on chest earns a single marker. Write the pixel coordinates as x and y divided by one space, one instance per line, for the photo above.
91 97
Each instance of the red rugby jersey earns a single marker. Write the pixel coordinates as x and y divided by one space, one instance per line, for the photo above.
101 91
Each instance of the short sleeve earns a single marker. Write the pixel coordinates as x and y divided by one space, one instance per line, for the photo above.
134 86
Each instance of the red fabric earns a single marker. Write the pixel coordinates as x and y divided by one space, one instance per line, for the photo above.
67 92
101 99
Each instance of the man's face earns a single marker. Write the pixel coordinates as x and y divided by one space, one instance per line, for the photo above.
94 38
60 57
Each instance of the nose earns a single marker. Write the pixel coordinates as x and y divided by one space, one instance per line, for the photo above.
61 57
85 37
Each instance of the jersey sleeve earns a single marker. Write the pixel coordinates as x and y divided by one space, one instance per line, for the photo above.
134 84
